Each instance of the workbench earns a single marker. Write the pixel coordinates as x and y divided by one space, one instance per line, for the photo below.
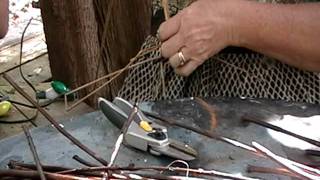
95 131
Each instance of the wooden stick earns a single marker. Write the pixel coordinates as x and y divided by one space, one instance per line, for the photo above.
202 132
34 153
13 164
22 166
24 115
279 171
254 119
141 53
165 6
240 69
112 77
124 130
82 161
312 152
162 168
253 150
115 75
24 63
34 175
54 122
288 164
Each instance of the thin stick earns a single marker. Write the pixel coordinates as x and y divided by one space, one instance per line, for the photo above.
35 174
291 164
25 62
162 168
82 161
46 168
34 153
157 176
165 6
54 122
240 69
278 171
255 120
285 163
112 77
202 132
141 53
99 88
124 130
13 164
312 152
24 115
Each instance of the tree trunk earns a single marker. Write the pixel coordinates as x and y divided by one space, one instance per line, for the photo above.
123 27
82 48
72 38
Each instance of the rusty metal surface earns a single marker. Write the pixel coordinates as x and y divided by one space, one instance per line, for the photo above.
98 133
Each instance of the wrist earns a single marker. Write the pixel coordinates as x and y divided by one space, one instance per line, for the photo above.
239 24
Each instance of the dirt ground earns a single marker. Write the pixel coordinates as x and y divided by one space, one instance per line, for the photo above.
37 72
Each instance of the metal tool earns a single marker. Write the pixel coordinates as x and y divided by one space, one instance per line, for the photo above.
143 133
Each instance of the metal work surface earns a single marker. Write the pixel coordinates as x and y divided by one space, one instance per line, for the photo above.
99 134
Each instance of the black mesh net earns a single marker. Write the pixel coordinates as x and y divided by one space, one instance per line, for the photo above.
248 74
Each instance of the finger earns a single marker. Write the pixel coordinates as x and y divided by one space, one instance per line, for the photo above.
187 69
175 60
169 27
171 46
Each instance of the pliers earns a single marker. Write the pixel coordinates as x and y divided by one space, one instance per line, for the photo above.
143 133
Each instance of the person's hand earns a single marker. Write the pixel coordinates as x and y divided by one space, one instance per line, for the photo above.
198 32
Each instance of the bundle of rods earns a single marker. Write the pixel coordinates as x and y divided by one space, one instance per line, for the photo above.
110 171
19 170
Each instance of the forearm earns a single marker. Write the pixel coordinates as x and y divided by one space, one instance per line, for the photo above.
4 15
289 33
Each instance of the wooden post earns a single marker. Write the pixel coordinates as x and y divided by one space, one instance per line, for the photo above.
77 51
123 27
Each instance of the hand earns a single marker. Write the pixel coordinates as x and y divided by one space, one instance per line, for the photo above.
199 31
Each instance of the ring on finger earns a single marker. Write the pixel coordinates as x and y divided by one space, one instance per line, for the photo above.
182 59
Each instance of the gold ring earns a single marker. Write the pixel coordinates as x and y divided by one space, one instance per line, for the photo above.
181 58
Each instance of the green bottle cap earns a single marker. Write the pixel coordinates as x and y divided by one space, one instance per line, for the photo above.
59 87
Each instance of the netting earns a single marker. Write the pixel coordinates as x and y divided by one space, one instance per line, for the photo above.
249 74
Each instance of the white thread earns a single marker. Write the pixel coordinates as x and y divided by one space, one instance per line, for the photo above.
178 161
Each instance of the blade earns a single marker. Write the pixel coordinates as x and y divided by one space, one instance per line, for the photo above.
114 114
183 147
177 150
124 105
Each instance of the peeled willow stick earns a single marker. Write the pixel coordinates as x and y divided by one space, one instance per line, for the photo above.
54 122
292 166
298 169
266 170
34 152
162 168
124 130
165 6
